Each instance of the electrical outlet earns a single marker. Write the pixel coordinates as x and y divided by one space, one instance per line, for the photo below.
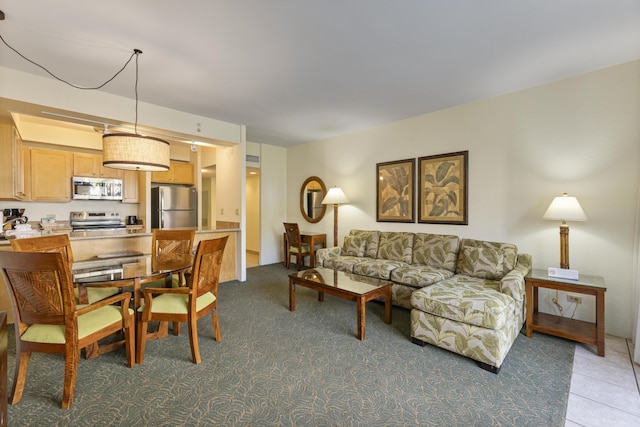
573 298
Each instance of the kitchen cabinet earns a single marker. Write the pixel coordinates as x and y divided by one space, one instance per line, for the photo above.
26 157
12 165
90 165
178 173
51 172
130 186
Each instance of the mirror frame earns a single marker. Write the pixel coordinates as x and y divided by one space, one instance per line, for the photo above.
302 193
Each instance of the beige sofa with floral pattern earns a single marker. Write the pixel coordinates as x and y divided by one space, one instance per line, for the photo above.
465 295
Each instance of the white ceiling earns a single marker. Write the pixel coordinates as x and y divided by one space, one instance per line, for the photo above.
295 71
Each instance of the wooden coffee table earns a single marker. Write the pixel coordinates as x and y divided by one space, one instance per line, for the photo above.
348 286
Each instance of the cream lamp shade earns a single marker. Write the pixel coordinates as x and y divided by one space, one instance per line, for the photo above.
335 196
135 152
564 208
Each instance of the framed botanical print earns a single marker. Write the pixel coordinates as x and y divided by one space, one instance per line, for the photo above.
443 188
395 183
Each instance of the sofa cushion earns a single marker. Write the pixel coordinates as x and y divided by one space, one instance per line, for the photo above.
509 256
371 239
468 300
380 268
484 263
436 250
342 263
395 246
354 246
419 276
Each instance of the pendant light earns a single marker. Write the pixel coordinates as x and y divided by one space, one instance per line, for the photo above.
132 151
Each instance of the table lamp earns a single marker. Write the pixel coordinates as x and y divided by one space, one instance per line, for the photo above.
335 196
565 208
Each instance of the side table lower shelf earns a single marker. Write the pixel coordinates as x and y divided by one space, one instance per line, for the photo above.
576 330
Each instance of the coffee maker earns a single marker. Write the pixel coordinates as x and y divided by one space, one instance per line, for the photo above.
11 217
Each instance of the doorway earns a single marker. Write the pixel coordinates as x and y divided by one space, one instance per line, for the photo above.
253 216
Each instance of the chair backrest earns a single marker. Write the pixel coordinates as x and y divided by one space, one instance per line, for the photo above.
205 271
171 245
52 243
40 287
293 234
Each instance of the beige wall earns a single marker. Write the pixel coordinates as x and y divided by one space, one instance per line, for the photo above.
579 135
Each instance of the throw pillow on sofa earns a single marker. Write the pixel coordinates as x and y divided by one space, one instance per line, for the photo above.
354 246
482 263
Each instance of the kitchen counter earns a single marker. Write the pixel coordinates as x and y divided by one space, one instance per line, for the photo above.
121 233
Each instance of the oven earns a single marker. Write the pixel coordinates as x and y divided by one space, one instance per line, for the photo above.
95 221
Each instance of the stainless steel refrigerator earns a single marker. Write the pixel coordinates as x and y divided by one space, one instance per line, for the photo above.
314 203
173 207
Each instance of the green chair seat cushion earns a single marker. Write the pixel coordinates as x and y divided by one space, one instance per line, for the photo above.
97 294
177 303
87 324
160 283
305 248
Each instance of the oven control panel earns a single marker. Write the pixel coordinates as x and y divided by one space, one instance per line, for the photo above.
94 216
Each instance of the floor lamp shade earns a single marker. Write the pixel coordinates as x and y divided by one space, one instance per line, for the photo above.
335 196
564 208
135 152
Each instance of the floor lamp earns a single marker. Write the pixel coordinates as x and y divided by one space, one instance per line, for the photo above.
565 208
335 196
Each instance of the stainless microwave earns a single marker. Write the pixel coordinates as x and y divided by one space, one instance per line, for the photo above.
85 188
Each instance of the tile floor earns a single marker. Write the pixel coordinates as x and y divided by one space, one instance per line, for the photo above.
604 390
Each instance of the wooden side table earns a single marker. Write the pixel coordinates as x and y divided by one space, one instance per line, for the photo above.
576 330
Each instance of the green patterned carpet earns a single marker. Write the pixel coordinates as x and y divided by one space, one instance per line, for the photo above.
302 368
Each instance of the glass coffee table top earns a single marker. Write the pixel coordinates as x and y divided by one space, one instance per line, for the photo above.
349 282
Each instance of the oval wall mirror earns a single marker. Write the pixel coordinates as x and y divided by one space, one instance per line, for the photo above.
311 195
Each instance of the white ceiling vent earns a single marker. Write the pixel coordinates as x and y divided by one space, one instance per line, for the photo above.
253 159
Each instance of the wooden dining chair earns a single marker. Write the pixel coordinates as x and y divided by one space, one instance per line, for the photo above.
47 319
61 243
187 303
295 246
169 246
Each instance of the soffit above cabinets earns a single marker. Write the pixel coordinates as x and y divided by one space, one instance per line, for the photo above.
40 124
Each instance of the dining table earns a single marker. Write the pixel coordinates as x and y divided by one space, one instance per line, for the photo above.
129 272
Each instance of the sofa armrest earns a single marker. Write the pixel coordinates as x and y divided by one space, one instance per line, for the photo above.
512 283
326 253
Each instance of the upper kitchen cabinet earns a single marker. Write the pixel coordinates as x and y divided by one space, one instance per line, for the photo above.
51 172
130 186
178 173
11 166
90 165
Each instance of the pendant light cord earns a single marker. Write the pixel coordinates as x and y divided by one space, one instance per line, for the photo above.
135 53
